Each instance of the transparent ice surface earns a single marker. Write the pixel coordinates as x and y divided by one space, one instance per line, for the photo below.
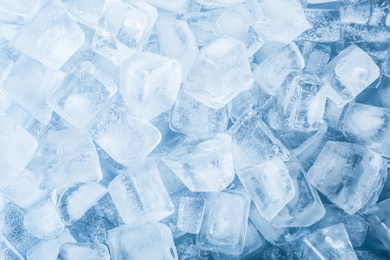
83 251
86 11
190 216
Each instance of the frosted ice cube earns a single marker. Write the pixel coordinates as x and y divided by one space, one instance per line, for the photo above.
139 194
225 223
74 201
221 71
273 69
269 185
150 83
305 208
349 175
65 157
190 117
316 56
150 241
177 41
325 26
368 125
190 216
349 73
172 5
121 134
203 166
85 11
82 94
24 189
123 29
355 11
330 242
356 225
281 21
83 251
27 84
48 249
17 147
254 143
7 251
21 7
50 39
42 220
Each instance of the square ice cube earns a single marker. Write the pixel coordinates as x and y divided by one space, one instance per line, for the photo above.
150 83
349 73
220 72
349 175
50 39
17 147
139 194
190 216
225 223
149 241
121 134
123 29
269 185
82 94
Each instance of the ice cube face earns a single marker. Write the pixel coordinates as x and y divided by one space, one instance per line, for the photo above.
149 241
316 56
173 5
123 29
329 242
7 251
282 21
225 223
349 175
121 134
190 216
17 147
220 72
203 166
139 194
65 157
350 73
80 251
86 11
82 94
21 7
367 125
8 56
378 218
50 39
269 185
150 83
325 26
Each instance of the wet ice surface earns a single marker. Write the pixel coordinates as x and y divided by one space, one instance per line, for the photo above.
194 129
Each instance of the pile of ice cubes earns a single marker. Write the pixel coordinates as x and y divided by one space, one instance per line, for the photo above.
194 129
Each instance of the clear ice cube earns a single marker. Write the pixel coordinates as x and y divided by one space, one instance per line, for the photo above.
85 11
190 216
83 251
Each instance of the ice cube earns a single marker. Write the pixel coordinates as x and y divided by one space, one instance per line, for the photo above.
50 39
65 157
222 3
178 42
150 83
123 29
225 223
325 26
82 94
281 21
187 113
8 56
316 56
149 241
330 242
187 249
42 220
86 251
177 6
305 208
11 24
24 190
269 185
5 102
220 72
21 7
7 251
139 194
203 165
48 249
85 11
367 125
273 69
379 220
355 11
121 134
379 12
349 74
17 147
254 143
74 201
349 175
190 216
